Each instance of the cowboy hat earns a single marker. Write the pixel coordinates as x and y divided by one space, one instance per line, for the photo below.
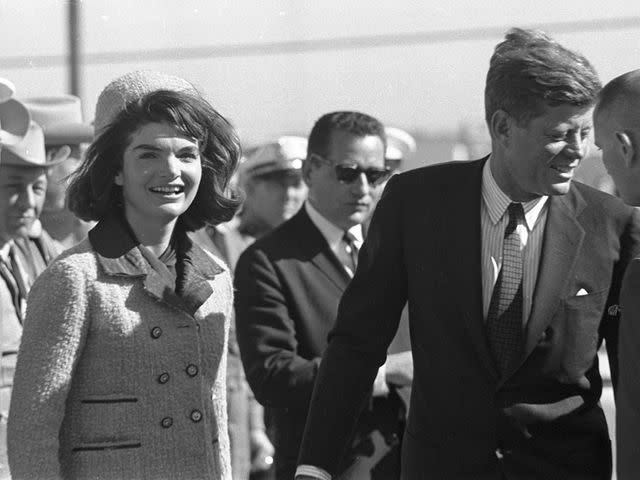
7 89
60 117
29 152
14 122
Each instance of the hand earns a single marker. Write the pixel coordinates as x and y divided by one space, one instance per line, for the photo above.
262 451
400 369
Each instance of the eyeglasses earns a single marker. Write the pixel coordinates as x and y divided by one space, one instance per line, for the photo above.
350 173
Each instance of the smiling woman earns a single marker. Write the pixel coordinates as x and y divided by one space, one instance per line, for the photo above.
121 372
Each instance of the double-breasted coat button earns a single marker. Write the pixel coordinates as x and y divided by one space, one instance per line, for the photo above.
163 378
192 370
196 416
156 332
499 454
166 422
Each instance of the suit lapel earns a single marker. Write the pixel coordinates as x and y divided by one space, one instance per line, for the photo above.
317 251
561 244
562 240
466 248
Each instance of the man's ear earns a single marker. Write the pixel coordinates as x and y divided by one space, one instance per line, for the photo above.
118 179
501 127
56 154
626 148
307 166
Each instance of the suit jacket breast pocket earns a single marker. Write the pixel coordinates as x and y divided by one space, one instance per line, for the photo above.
578 333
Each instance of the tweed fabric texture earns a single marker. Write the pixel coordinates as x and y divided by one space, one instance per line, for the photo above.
504 322
114 382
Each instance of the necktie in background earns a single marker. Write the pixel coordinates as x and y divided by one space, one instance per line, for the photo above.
504 320
350 259
13 275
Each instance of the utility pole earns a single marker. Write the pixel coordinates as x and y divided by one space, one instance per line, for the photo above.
74 47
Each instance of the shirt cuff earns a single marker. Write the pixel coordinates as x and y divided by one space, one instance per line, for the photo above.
380 386
312 471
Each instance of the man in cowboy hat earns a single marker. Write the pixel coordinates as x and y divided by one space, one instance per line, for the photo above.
65 137
23 256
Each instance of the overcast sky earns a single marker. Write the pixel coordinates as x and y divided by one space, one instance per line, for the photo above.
273 67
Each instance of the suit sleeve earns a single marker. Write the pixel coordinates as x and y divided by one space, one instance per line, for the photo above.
629 249
367 320
278 376
628 395
54 333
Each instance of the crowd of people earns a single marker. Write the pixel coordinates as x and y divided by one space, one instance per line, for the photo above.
173 307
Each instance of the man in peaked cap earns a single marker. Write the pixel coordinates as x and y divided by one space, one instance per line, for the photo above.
23 256
271 177
65 136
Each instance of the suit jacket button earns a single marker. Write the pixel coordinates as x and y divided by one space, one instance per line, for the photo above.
166 422
196 416
192 370
156 332
163 378
499 454
392 439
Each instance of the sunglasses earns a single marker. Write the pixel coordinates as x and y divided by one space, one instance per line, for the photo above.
350 173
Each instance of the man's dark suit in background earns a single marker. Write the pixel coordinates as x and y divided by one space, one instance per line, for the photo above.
617 123
289 284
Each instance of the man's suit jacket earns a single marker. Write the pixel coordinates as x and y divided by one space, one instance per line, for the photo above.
288 286
539 420
628 395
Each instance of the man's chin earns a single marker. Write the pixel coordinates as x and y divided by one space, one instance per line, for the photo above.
559 188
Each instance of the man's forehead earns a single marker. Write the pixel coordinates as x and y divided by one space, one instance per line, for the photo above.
345 144
21 173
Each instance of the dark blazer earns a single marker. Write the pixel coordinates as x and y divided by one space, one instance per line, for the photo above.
542 418
628 395
288 286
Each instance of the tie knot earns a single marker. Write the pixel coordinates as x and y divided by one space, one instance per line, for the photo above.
516 215
349 238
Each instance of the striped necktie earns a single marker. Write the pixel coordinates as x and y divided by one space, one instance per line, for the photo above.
12 274
504 320
352 251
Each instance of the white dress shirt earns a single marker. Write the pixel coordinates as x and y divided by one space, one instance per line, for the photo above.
493 222
332 233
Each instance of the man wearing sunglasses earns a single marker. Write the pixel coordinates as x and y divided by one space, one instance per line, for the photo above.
512 273
288 287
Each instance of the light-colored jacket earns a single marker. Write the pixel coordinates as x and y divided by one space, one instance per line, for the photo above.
117 376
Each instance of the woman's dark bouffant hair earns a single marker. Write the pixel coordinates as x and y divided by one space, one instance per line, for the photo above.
93 194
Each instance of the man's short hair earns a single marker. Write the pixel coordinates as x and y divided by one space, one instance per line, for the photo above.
529 72
622 90
355 123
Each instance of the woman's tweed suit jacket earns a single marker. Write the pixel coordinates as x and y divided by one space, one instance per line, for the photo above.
118 377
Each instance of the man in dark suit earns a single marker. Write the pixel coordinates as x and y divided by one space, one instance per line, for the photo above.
288 287
617 123
509 269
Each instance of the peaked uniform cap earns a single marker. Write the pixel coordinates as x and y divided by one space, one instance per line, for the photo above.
285 154
131 87
400 143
